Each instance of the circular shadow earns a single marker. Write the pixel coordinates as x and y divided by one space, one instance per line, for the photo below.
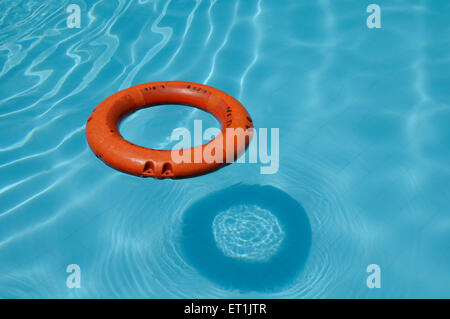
247 237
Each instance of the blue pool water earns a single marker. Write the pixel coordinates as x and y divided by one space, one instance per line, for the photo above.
364 176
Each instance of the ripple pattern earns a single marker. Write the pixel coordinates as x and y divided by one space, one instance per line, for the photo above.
363 117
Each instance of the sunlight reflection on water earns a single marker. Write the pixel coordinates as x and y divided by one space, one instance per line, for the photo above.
249 232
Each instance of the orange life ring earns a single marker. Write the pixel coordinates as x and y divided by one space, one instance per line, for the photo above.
106 142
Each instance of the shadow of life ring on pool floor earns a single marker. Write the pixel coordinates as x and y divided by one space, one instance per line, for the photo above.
246 237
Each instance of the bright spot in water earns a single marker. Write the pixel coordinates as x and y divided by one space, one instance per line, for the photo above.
248 232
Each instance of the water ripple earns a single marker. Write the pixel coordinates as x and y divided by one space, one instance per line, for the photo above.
362 126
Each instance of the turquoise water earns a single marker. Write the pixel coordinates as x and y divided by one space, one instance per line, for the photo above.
363 116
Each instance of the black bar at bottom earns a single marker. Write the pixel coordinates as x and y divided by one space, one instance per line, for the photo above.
224 308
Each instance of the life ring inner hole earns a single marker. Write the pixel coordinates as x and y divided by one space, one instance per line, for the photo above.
152 127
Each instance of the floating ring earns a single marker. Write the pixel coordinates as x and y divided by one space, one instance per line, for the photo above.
107 143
